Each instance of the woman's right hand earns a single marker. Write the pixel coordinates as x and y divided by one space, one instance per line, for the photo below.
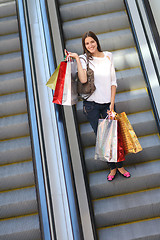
82 73
70 54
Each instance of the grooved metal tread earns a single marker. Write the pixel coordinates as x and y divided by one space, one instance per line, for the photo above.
83 9
139 122
26 228
18 199
9 43
8 25
144 176
126 100
15 150
18 202
151 151
144 229
10 62
103 23
11 104
128 208
112 41
7 8
16 175
6 1
14 126
11 83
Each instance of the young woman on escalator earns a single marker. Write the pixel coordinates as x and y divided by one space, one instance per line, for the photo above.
102 101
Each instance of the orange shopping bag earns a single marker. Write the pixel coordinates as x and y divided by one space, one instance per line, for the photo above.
130 140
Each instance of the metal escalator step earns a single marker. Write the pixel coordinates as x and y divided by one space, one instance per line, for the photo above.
151 151
16 176
142 123
127 80
133 231
88 137
13 104
14 126
11 82
126 58
144 176
9 43
8 25
129 101
130 79
11 62
25 228
83 9
67 1
5 1
18 202
15 150
127 208
7 9
125 102
97 24
110 41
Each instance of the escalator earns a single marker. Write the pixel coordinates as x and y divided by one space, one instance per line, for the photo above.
125 208
19 217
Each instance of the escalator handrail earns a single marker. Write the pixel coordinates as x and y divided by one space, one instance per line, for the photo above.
155 107
44 221
65 155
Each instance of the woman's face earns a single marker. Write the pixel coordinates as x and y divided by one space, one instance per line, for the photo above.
91 45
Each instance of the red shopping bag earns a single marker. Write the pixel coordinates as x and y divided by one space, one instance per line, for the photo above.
58 93
70 96
120 145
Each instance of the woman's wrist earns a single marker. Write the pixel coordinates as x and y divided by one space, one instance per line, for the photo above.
112 106
77 59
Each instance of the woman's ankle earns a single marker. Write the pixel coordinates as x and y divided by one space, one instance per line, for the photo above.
113 172
122 170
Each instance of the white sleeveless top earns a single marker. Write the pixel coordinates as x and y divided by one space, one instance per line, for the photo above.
104 76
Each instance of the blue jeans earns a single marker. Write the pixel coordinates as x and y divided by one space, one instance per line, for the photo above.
94 111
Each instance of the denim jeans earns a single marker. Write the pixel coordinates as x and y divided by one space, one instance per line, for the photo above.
94 111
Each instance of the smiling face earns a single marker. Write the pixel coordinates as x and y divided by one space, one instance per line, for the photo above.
91 45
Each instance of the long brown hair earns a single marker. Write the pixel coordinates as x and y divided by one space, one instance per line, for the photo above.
92 35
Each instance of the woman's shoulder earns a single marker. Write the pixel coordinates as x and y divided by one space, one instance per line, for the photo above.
108 54
83 57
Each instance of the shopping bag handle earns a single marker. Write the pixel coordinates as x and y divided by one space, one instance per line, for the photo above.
67 57
111 115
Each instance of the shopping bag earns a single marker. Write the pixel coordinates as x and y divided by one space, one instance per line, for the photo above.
53 79
58 93
120 145
70 96
130 140
106 140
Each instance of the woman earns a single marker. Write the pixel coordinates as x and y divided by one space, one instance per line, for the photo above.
101 102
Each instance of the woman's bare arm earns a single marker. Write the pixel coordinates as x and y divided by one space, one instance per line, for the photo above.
113 94
82 73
